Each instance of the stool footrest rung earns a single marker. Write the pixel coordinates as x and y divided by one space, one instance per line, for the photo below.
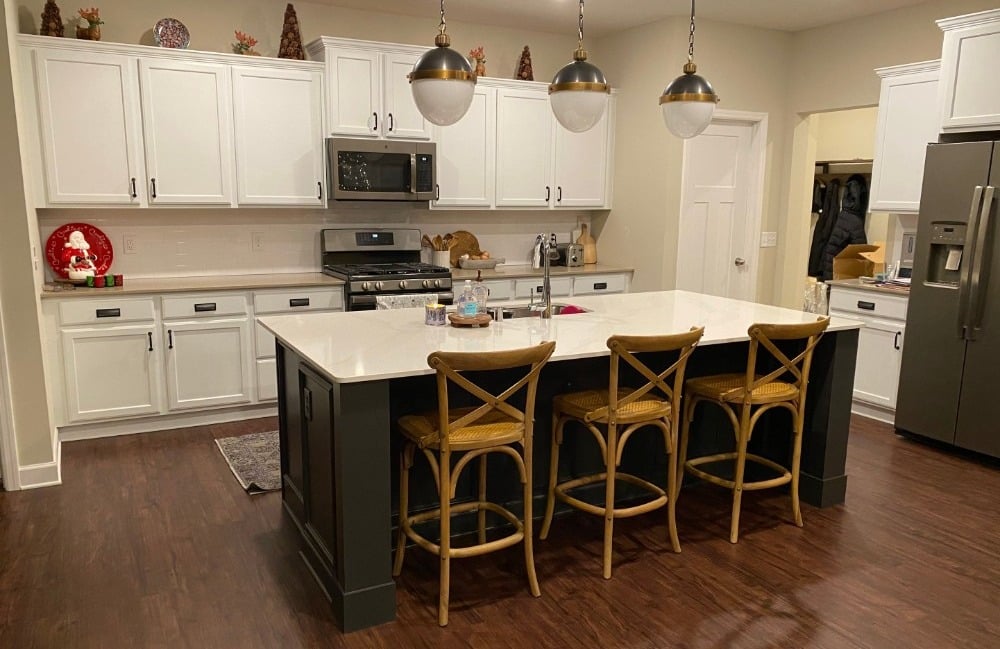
623 512
472 550
691 466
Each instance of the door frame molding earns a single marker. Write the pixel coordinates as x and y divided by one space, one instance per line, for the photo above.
755 197
8 448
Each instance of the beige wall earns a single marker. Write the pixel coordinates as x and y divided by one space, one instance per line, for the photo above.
642 229
846 134
212 22
18 298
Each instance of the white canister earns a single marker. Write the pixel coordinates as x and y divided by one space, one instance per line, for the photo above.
441 258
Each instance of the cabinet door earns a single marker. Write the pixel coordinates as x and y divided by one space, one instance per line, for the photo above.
89 121
876 377
970 96
908 119
208 363
581 165
355 92
401 119
524 149
466 161
187 129
279 136
111 372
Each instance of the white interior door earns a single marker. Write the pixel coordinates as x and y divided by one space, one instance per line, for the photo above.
718 236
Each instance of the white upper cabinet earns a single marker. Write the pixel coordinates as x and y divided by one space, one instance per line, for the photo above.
187 126
466 169
970 94
279 136
582 161
524 149
369 92
91 148
908 120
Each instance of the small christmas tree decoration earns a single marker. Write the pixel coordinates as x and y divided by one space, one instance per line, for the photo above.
244 44
52 24
524 71
291 39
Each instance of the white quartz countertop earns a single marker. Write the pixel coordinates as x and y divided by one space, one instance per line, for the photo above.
377 345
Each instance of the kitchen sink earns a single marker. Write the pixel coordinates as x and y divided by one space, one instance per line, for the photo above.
535 311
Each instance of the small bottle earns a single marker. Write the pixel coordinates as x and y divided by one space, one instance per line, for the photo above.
467 306
481 292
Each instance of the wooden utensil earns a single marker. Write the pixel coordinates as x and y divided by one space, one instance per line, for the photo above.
426 242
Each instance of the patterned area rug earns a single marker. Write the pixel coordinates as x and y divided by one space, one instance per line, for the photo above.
255 460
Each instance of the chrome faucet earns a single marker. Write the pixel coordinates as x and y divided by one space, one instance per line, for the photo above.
549 252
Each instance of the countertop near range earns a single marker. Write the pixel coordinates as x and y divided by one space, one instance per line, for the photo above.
518 272
857 284
201 283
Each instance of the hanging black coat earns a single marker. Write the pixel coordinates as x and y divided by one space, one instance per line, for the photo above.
849 226
824 225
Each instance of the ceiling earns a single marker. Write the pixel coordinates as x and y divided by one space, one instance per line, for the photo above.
606 16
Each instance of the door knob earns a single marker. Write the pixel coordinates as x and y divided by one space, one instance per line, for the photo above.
740 261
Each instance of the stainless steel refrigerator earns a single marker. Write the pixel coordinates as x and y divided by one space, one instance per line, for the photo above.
949 387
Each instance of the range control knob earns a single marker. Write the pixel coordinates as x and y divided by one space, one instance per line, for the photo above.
378 286
365 286
437 283
426 283
402 284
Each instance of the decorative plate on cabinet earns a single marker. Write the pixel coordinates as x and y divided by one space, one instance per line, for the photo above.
170 32
78 250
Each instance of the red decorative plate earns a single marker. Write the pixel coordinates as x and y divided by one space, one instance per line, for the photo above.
76 250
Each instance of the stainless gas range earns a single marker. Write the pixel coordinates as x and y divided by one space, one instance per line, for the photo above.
375 262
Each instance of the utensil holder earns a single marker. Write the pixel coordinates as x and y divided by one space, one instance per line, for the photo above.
441 258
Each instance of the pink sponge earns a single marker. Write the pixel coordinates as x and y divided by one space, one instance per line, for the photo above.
569 309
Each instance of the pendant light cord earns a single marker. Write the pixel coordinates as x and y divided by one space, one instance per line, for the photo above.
579 28
442 26
690 36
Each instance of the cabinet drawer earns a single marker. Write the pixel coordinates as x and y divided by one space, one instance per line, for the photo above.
500 290
592 284
203 305
561 286
868 303
105 311
264 341
307 299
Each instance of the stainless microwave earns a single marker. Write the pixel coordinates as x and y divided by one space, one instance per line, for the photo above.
381 170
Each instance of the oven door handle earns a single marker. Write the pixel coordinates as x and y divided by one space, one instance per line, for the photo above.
368 301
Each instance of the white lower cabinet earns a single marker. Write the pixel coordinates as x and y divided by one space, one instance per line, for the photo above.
111 371
267 379
208 363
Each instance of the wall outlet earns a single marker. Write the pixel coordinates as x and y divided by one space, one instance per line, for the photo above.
768 239
131 244
256 242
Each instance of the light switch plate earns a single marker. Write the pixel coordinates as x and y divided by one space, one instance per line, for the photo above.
768 239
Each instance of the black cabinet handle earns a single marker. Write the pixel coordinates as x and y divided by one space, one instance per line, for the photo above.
437 192
895 340
600 286
204 306
539 288
375 115
548 193
298 301
319 190
866 306
307 404
391 123
170 339
559 197
150 334
109 313
135 194
152 181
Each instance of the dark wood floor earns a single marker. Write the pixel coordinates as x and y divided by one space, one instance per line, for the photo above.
150 542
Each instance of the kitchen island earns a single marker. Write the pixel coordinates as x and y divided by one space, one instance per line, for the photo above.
345 377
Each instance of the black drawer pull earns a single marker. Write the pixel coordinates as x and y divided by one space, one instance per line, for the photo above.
539 289
109 313
895 340
204 306
298 301
170 339
600 286
867 306
150 334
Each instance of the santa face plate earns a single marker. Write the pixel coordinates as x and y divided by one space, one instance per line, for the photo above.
78 250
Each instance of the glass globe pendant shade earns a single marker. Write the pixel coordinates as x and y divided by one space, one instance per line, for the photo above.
688 103
442 84
579 94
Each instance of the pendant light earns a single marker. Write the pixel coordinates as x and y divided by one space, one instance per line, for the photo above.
579 92
442 81
689 101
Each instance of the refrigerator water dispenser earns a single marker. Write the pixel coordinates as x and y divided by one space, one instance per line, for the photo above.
947 253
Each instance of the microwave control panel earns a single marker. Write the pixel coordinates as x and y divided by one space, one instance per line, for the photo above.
425 173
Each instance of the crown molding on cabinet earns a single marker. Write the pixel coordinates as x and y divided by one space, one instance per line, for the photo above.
908 68
969 20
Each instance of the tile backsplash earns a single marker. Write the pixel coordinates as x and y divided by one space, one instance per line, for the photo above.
191 242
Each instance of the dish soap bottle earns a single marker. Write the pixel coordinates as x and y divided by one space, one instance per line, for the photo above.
482 293
466 304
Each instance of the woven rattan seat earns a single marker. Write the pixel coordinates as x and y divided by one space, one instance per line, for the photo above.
611 416
744 398
472 432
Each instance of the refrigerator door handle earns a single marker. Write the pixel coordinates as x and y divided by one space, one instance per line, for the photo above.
965 275
975 289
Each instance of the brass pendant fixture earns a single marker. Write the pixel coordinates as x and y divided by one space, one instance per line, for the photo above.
442 81
689 101
578 93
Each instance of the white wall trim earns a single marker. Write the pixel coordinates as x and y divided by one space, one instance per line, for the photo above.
8 445
164 422
46 474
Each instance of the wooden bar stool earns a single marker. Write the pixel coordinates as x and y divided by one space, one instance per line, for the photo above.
494 427
612 416
745 397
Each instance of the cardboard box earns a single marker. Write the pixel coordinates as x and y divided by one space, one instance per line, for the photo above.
859 260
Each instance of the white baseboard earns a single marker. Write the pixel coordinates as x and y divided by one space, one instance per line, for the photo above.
870 411
164 422
46 474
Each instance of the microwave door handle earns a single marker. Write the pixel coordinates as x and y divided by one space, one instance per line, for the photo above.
976 284
964 273
413 173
